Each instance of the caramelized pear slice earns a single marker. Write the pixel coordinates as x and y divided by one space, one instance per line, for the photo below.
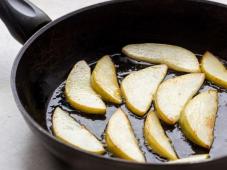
79 93
198 118
191 159
139 87
104 80
173 94
120 138
71 132
176 58
156 137
214 70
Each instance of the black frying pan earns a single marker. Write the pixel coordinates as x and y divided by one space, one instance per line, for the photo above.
47 57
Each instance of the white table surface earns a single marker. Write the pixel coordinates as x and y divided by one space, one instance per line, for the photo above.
19 149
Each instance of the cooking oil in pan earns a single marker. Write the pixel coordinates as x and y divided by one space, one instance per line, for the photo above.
183 147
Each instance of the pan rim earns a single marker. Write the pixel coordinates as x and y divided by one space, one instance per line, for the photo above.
38 127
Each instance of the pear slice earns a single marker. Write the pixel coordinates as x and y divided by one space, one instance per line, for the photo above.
104 80
71 132
173 94
139 87
214 70
176 58
79 93
156 137
120 138
198 118
191 159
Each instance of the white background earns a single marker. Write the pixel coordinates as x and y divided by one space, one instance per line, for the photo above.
19 150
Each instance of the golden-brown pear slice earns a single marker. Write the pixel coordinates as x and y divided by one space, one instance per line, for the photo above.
156 137
139 87
79 93
104 80
191 159
173 94
198 118
120 138
176 58
70 131
214 70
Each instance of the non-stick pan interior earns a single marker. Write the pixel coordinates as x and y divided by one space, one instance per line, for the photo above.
105 29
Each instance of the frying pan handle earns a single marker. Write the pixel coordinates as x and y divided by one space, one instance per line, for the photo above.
22 18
